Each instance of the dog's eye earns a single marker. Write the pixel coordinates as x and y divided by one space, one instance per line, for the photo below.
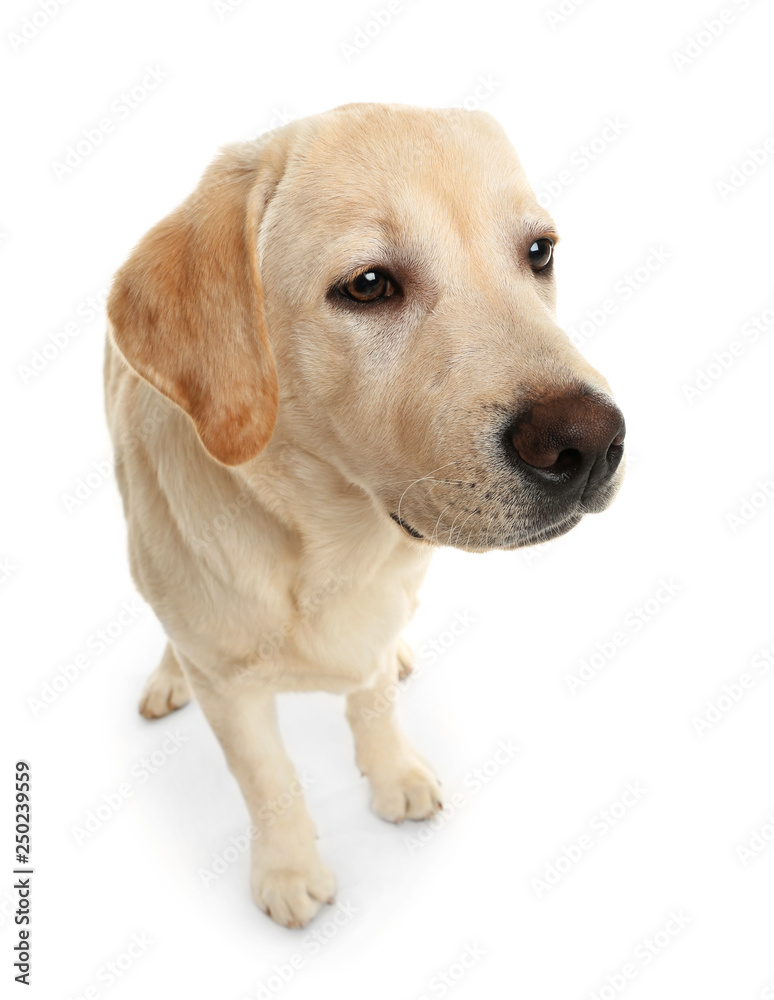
541 253
368 286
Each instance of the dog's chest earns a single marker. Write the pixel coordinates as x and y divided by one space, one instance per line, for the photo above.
335 618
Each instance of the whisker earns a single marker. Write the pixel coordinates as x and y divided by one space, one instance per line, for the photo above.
421 479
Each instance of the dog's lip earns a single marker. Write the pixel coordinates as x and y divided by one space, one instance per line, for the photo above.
551 531
534 537
406 527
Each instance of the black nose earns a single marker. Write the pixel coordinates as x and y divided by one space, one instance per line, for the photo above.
568 443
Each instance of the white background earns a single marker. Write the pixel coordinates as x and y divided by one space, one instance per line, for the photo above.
537 614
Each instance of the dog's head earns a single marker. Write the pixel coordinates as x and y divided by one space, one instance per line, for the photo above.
377 282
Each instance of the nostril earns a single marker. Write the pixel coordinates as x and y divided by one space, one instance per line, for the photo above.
614 454
615 448
569 460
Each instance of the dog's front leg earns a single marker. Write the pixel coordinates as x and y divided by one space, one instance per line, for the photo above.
403 784
289 880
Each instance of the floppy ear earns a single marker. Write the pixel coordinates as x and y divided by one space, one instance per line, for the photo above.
187 307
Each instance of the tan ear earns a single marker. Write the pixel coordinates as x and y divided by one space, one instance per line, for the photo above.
187 307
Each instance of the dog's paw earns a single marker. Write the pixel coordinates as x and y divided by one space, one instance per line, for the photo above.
293 896
405 659
167 689
409 791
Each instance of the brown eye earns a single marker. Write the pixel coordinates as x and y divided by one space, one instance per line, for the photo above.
541 253
368 286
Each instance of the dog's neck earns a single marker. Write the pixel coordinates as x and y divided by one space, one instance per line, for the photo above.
337 524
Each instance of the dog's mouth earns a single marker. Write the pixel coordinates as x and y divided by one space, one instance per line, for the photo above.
516 540
406 527
549 532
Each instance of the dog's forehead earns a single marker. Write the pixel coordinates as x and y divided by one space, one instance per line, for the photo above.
366 159
384 140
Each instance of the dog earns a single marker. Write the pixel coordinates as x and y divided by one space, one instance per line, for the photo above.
338 354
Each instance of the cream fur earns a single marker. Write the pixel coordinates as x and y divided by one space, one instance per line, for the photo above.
264 434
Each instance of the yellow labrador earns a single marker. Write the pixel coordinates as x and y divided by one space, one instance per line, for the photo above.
340 352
